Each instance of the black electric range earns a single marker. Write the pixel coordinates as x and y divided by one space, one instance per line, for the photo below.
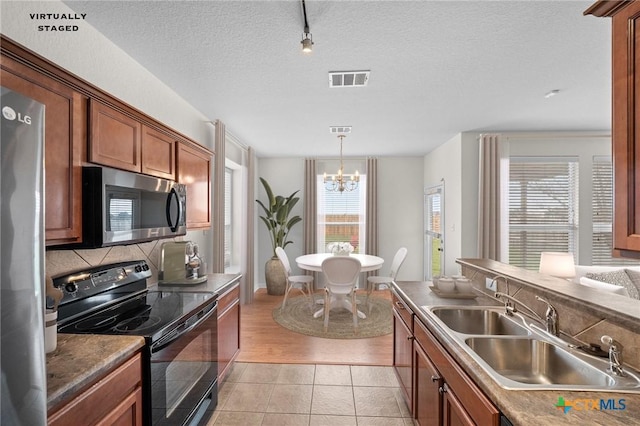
180 330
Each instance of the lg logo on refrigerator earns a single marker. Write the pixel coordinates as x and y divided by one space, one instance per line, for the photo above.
10 114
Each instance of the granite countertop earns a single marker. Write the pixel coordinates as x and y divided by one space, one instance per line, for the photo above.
521 407
217 283
80 359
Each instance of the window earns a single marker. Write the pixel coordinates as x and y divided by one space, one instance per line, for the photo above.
543 208
228 216
341 216
602 211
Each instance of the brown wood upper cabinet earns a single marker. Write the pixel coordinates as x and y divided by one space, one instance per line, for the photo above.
65 136
158 154
625 117
194 170
121 141
116 138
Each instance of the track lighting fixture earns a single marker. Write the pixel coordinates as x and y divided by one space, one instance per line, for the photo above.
307 38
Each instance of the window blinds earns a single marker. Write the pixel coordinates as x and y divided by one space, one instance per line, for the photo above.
543 208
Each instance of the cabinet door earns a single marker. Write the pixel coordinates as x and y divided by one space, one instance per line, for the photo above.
454 412
65 138
626 133
115 138
427 400
127 413
158 154
194 170
467 394
228 330
402 355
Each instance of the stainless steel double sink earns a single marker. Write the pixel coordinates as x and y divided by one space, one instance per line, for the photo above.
520 355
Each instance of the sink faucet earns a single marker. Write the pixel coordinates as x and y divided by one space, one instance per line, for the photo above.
551 320
615 355
551 317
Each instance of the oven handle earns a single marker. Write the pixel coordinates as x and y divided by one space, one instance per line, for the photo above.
182 330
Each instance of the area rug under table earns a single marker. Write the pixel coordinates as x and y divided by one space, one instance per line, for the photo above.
297 316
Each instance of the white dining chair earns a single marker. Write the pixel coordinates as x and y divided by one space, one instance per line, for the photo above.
304 283
341 273
374 282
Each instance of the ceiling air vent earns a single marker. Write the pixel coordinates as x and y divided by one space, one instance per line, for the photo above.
340 130
348 78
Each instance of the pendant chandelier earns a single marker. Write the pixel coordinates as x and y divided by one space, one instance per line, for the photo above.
341 182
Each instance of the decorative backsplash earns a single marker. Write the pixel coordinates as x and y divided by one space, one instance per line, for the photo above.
63 261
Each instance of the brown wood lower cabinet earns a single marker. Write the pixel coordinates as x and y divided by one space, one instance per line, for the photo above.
436 389
116 399
228 329
460 400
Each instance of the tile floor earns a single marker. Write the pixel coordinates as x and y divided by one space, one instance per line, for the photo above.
310 395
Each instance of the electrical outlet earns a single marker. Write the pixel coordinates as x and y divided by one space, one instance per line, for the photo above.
491 284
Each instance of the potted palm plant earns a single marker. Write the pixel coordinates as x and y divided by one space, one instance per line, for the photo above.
276 219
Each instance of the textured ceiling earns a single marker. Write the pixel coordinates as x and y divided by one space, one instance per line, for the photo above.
438 68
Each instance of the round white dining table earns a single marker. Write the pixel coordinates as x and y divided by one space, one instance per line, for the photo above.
313 262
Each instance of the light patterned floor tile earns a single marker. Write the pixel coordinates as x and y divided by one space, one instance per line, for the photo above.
333 375
328 420
363 375
236 372
260 373
248 397
382 421
232 418
375 401
279 419
336 400
297 374
292 399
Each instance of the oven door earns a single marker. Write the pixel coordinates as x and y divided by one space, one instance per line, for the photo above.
184 371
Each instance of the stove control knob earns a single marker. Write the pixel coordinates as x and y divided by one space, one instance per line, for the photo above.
145 267
138 268
71 287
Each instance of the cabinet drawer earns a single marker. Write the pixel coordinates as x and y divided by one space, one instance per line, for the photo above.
403 310
228 299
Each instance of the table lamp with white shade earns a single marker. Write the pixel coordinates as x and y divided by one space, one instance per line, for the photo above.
557 264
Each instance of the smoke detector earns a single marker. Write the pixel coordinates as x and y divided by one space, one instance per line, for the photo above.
340 130
348 78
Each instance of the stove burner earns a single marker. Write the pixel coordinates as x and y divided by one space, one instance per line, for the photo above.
97 323
137 324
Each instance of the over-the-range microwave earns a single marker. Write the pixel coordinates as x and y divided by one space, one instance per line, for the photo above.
120 207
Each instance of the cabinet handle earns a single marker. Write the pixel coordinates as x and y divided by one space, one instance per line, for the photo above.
399 305
435 378
410 338
441 390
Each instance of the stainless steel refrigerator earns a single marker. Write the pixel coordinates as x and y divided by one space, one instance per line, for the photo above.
23 382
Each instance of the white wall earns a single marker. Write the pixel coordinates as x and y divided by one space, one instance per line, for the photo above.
399 210
92 57
445 164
